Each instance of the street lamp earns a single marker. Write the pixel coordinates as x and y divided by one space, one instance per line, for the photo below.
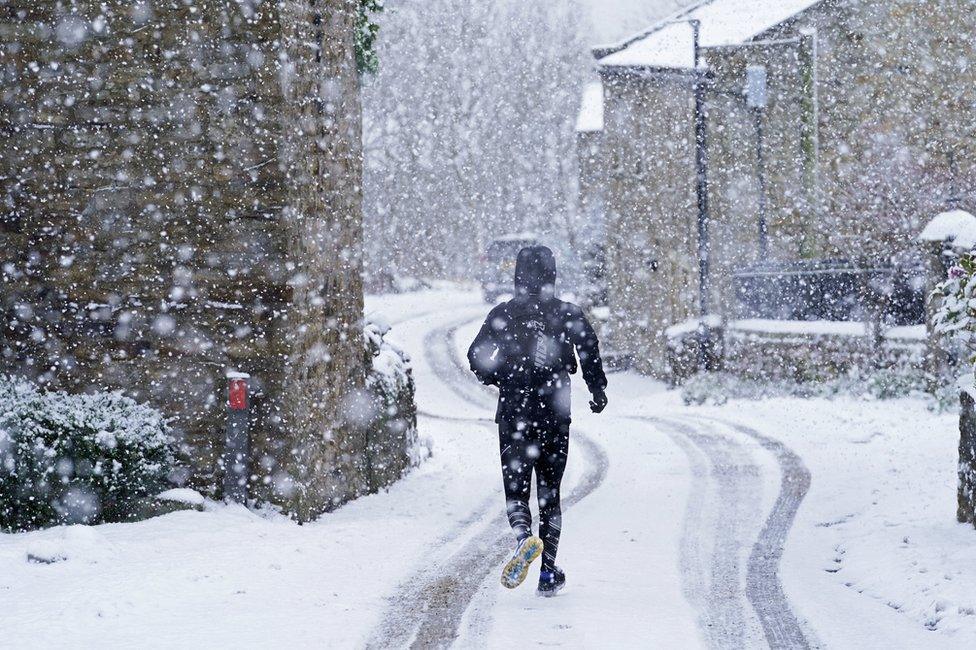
757 98
701 166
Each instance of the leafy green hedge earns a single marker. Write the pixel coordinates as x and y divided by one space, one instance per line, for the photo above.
77 458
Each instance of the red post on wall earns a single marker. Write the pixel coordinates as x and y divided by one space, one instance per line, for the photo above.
236 458
237 394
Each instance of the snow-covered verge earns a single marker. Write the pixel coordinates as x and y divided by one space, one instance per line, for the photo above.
204 579
717 388
876 543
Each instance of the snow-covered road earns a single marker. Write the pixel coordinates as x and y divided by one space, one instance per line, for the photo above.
713 546
783 523
689 538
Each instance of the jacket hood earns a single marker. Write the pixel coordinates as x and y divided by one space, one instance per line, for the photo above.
534 269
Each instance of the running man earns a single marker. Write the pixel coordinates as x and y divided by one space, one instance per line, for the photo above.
527 347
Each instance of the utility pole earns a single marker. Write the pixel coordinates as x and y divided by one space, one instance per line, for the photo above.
761 174
701 168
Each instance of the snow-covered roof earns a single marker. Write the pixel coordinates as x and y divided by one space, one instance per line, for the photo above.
670 44
590 118
955 226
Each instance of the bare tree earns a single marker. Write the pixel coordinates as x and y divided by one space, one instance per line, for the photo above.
469 129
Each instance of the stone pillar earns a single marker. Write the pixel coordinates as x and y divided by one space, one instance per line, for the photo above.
966 512
936 359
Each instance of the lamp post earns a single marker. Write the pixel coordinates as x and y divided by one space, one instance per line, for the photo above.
701 186
757 99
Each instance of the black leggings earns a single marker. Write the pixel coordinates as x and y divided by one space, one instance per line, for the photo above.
543 449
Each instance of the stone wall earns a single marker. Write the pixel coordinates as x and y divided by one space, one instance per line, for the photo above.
800 352
180 189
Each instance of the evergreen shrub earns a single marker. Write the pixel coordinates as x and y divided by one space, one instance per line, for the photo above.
68 459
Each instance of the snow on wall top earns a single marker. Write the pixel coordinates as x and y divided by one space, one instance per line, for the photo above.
956 226
590 118
518 236
670 44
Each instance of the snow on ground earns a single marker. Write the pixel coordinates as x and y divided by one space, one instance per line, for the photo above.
618 549
874 559
255 579
876 545
203 579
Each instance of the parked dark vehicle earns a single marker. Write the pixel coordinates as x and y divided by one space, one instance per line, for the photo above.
830 289
498 264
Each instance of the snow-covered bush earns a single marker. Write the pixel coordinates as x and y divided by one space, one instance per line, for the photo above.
956 314
393 444
716 388
77 458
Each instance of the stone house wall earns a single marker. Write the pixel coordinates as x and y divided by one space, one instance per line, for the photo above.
651 238
180 188
869 129
591 172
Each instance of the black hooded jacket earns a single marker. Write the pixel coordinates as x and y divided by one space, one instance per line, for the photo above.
528 345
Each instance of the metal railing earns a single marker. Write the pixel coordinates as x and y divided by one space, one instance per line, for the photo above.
830 289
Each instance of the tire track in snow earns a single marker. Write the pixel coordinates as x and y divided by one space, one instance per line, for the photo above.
725 491
430 606
442 357
737 489
763 586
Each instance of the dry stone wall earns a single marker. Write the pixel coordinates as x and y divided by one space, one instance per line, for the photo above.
180 190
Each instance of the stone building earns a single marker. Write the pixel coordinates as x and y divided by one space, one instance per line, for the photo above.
589 155
868 131
180 187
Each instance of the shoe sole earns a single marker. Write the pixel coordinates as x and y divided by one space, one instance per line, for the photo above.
518 567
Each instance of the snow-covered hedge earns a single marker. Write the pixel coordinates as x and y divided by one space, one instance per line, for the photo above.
77 458
716 388
956 314
393 445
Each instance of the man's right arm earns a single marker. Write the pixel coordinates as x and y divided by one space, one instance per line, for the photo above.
482 355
